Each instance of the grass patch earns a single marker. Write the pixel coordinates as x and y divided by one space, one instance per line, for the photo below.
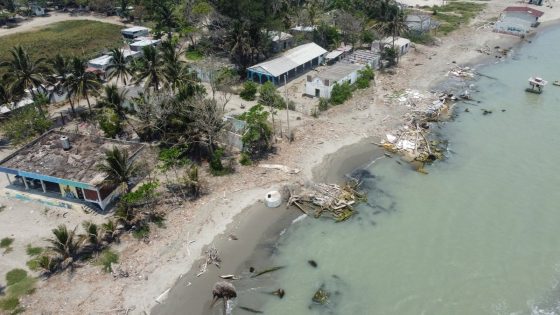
80 38
23 287
15 275
33 251
106 258
18 284
6 244
9 303
194 55
456 13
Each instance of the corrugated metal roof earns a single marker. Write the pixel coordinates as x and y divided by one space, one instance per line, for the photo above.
290 59
134 29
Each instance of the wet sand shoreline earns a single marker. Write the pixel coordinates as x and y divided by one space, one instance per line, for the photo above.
256 231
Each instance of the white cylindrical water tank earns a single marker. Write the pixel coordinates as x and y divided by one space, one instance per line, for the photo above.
65 142
273 199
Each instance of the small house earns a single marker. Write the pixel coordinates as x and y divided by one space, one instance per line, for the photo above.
338 53
523 13
135 32
420 23
137 46
100 63
402 45
37 10
364 58
290 64
322 83
60 165
281 41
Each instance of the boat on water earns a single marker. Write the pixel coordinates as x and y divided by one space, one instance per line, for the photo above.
557 83
537 84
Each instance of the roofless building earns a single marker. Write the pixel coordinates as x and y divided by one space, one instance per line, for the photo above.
64 165
289 65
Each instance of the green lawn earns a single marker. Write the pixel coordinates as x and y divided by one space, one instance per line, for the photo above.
456 13
81 38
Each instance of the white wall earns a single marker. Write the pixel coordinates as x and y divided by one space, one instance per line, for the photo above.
325 91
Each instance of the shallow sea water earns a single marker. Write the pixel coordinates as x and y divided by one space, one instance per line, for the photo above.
479 235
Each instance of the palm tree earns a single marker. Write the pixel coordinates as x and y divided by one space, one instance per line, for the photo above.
223 290
114 99
119 67
81 82
23 73
66 244
117 167
110 230
4 95
150 68
59 78
94 236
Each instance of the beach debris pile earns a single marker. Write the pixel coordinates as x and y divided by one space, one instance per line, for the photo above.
330 200
408 98
462 72
414 143
212 258
321 296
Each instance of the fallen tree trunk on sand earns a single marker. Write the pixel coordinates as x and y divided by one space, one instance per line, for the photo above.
328 199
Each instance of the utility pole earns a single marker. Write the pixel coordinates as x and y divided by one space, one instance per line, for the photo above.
287 107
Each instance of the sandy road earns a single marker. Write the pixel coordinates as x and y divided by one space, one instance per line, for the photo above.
40 22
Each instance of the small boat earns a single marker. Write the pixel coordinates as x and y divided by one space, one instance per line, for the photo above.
557 83
537 84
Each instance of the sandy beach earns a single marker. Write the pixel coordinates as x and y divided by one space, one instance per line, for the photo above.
172 252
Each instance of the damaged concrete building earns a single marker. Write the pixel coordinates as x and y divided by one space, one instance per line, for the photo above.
64 166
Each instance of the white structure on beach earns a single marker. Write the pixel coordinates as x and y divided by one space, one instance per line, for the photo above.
135 32
144 42
364 57
322 83
100 64
517 20
402 45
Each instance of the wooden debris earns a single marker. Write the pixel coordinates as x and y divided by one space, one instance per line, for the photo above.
212 258
328 199
260 273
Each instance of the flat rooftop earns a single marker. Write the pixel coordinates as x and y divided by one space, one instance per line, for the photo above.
338 71
45 156
134 29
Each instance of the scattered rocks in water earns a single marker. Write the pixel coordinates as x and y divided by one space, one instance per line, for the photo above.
251 269
280 293
313 263
486 112
321 296
503 110
467 110
233 237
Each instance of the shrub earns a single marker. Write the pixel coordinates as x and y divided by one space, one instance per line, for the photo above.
6 242
340 93
106 258
249 92
141 232
110 123
323 104
245 159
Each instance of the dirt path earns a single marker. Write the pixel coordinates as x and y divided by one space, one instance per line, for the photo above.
40 22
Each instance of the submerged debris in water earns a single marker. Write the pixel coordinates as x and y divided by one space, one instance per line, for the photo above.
486 112
251 310
313 263
251 269
260 273
321 296
280 293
